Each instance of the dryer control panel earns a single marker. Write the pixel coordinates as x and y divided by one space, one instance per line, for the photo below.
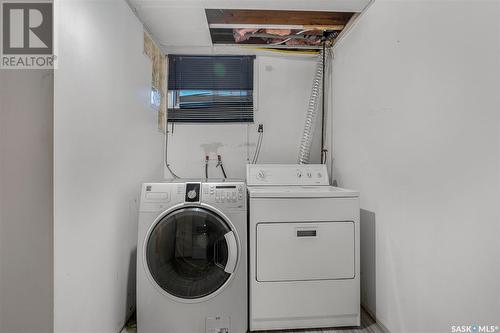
287 174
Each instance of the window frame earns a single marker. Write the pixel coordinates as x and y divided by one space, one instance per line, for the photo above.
246 114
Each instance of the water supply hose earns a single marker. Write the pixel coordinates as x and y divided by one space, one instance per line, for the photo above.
219 164
206 166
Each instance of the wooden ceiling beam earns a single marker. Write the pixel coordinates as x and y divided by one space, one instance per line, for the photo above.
275 26
276 17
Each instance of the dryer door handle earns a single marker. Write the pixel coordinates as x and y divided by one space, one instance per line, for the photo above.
232 255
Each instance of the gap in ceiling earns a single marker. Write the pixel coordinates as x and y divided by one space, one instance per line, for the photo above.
274 28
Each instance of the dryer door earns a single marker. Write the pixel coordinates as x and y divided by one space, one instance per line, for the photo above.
191 253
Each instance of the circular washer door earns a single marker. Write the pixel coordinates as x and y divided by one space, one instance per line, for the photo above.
191 253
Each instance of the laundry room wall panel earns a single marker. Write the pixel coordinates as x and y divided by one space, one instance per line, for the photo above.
106 144
283 86
416 128
26 224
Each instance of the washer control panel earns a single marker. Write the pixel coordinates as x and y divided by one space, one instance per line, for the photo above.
287 174
225 194
230 194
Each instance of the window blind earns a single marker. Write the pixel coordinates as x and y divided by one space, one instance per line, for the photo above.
210 88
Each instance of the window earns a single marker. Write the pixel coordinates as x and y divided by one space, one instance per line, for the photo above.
210 89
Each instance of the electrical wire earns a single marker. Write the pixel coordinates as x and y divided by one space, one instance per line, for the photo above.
254 158
288 39
257 148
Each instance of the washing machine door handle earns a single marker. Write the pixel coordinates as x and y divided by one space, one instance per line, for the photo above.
232 252
232 249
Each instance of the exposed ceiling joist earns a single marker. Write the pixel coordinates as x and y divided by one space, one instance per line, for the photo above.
276 17
275 26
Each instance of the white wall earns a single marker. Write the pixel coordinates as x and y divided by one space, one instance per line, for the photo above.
283 86
106 144
26 253
416 130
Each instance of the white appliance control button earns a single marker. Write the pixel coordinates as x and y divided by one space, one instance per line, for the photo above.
320 175
309 175
261 175
299 174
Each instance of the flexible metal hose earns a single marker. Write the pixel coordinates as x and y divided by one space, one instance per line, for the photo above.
312 111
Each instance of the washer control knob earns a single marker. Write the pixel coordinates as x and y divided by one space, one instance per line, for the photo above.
299 174
192 194
261 175
309 175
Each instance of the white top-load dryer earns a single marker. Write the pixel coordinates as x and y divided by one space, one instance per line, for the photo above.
303 249
192 257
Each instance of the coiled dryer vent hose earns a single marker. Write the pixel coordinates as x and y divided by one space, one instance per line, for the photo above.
312 111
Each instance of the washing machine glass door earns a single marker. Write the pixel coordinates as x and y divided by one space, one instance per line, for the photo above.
191 252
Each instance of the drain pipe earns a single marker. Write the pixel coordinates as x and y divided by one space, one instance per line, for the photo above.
167 165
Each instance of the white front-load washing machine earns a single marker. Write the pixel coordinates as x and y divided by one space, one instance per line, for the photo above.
191 257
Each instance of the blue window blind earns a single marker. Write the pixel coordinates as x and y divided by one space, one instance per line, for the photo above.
210 89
